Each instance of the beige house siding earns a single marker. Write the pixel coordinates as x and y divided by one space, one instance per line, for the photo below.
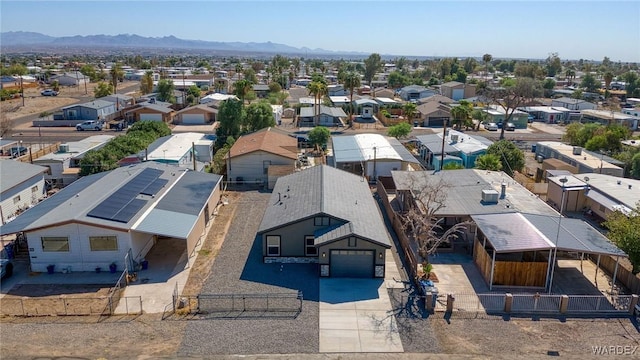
251 166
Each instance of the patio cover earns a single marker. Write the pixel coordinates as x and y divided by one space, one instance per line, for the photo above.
515 232
511 232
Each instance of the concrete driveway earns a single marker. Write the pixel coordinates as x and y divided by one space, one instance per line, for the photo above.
356 316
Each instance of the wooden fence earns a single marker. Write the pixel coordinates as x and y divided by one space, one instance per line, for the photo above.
32 155
410 259
510 273
482 260
624 275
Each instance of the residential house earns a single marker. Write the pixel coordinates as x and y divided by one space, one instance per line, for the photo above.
216 98
328 216
251 156
329 116
457 90
459 148
122 101
371 155
496 114
73 78
581 161
550 114
195 115
64 165
179 150
573 104
261 90
151 112
366 108
606 117
437 98
117 217
415 92
340 101
594 194
499 207
433 114
92 110
384 93
386 102
336 90
22 187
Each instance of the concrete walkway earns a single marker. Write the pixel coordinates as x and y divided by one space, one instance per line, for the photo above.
356 314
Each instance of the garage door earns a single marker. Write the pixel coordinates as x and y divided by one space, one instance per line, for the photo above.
436 121
193 119
150 117
351 263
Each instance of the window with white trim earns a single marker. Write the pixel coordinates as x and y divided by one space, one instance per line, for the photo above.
34 189
309 246
16 199
273 245
103 243
55 244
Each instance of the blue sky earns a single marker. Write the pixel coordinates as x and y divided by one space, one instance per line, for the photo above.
517 29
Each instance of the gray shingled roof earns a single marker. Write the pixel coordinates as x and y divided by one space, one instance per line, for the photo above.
14 172
323 190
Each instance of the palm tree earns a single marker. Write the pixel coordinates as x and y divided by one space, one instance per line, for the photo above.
486 58
488 162
242 88
461 113
351 81
116 73
318 90
608 77
409 110
239 69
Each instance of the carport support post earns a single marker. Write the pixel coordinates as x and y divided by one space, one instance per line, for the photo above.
549 270
450 299
633 303
597 268
429 302
615 273
493 265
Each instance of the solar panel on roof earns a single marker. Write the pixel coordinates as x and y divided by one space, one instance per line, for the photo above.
129 211
154 187
112 207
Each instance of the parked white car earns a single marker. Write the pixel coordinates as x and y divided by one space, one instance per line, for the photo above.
90 125
491 126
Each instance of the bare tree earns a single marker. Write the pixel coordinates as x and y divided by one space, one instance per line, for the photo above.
6 124
512 94
421 221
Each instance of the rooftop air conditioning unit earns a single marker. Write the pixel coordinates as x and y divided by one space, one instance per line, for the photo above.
64 148
577 150
454 138
490 196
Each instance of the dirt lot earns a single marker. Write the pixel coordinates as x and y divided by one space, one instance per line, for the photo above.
34 103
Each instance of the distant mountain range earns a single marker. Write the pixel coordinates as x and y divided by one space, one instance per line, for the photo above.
22 39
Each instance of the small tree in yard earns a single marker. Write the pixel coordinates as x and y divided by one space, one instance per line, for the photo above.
624 231
318 136
103 89
511 157
399 130
488 162
6 124
421 222
512 94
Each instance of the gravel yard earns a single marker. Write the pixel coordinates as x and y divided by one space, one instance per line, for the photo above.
238 268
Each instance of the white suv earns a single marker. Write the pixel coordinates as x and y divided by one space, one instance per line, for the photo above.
89 125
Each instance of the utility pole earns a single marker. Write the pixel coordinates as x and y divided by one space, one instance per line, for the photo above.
444 137
375 177
193 155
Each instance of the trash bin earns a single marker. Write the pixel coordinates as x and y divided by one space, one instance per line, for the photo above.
8 249
144 264
533 148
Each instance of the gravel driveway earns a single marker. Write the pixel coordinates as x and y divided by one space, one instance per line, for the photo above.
238 268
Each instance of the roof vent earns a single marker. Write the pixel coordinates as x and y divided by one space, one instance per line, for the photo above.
629 186
619 182
454 138
63 148
577 150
